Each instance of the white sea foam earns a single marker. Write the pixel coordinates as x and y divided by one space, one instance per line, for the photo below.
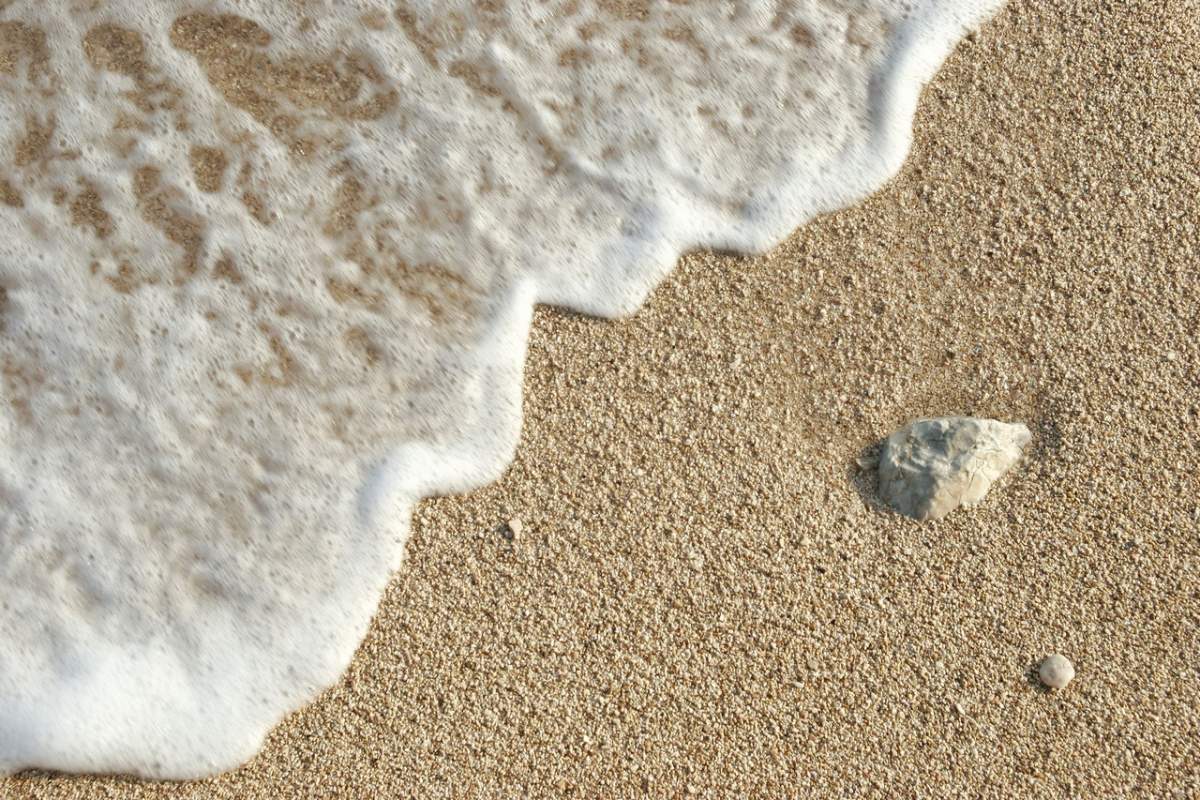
266 280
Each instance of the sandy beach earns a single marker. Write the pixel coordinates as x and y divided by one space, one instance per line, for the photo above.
706 599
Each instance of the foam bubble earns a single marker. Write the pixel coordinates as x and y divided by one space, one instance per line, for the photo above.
266 276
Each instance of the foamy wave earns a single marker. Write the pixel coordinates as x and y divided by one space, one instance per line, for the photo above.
266 280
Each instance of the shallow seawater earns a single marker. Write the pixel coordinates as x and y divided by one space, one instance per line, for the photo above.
266 275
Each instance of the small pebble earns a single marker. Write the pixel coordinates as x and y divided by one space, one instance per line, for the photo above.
515 527
1056 671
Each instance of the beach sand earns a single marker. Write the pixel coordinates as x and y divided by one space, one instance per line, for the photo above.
706 599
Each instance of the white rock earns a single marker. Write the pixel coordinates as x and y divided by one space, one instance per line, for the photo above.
515 527
933 466
1056 671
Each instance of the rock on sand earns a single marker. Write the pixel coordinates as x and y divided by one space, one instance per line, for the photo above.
1056 671
933 466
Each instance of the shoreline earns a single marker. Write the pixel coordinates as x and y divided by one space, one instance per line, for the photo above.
704 593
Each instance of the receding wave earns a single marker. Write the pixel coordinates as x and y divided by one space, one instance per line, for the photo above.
266 275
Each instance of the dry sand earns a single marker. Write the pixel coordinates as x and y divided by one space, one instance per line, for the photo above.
706 598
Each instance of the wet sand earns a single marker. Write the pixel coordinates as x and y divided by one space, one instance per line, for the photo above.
707 600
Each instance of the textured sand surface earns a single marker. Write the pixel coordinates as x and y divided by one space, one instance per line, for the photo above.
707 600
